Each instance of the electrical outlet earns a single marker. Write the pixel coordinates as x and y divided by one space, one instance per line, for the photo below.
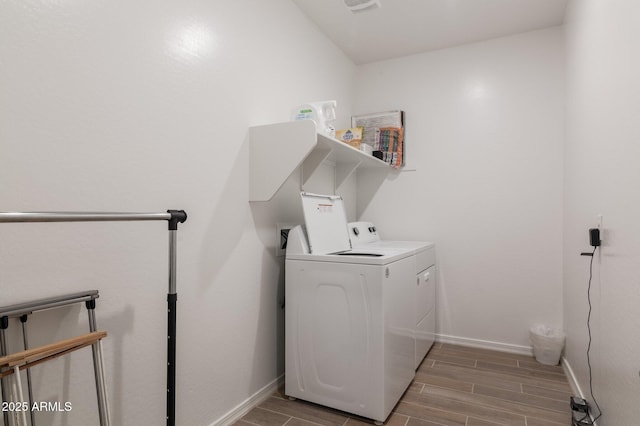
580 412
581 419
579 404
282 235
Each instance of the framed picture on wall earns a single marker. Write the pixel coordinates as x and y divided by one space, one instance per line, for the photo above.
384 132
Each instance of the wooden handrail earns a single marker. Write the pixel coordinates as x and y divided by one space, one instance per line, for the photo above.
34 356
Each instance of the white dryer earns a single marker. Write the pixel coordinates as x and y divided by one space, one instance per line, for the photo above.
364 235
349 337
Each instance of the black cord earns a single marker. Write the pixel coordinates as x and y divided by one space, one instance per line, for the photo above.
589 330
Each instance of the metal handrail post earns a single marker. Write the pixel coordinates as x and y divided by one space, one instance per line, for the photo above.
98 367
4 323
172 299
25 341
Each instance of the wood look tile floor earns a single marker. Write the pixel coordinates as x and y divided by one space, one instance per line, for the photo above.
454 386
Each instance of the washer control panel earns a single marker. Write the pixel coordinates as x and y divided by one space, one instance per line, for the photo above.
362 233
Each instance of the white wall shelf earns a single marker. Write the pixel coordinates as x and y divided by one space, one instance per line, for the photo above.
276 150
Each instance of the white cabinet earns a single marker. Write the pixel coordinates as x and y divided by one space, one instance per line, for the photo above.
276 150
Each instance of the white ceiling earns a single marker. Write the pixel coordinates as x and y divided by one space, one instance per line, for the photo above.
405 27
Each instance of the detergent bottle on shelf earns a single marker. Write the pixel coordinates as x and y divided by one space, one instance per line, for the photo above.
323 113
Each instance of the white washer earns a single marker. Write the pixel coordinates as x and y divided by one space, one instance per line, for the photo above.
364 235
350 339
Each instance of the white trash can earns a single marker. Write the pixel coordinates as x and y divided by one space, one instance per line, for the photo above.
547 343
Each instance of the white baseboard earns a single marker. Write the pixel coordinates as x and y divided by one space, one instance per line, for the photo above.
573 383
571 377
244 407
484 344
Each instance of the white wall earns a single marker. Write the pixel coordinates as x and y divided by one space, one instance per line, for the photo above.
119 106
484 131
145 106
601 178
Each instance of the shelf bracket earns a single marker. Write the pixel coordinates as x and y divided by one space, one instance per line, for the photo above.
343 172
313 161
275 151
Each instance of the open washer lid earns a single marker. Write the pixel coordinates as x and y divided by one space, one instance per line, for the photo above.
326 221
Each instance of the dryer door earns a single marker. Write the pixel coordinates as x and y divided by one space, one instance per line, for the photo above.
425 318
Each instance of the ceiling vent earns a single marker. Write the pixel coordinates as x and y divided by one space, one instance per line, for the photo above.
357 6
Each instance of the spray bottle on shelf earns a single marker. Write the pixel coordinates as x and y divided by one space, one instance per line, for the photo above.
323 113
